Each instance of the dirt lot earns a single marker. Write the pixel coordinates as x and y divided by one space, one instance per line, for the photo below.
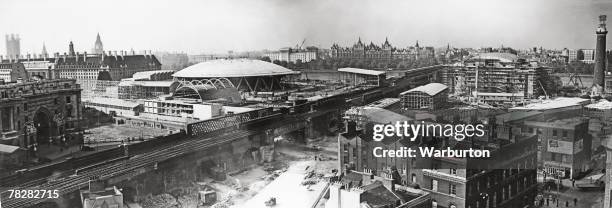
284 176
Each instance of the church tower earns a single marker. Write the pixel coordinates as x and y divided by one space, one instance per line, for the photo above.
98 47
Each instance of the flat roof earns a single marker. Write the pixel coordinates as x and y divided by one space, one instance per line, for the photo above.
8 148
430 89
146 83
112 101
361 71
516 115
503 94
602 104
560 102
383 103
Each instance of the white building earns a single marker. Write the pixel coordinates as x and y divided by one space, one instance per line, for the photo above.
293 55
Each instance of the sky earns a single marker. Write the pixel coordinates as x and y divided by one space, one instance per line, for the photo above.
217 26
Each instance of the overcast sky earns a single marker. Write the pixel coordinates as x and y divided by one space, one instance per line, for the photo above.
206 26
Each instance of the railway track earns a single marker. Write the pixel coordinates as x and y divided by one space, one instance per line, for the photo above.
75 182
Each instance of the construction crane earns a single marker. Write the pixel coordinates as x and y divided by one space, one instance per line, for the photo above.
301 44
541 86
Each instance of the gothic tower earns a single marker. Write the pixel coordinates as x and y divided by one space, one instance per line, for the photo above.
13 48
599 75
98 47
71 49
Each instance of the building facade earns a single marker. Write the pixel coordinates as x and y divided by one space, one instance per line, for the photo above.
564 145
13 72
294 54
432 96
383 52
33 113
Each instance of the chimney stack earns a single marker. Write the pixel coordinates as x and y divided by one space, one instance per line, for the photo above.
599 75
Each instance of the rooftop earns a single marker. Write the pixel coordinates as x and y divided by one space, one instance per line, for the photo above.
146 83
233 68
361 71
602 104
383 103
502 57
8 149
148 74
560 102
111 101
517 115
430 89
377 115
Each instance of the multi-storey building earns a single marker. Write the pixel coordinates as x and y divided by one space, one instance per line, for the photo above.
564 143
506 179
12 72
40 112
92 71
384 52
588 56
432 96
294 54
500 76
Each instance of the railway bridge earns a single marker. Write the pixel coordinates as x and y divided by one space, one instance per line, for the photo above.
220 140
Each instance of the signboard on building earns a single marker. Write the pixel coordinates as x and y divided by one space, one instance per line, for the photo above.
558 146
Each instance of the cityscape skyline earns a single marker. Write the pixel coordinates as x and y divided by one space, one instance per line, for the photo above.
257 25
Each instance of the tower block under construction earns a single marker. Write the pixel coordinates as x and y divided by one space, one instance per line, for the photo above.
600 58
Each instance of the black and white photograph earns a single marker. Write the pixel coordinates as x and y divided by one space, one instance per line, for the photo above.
305 104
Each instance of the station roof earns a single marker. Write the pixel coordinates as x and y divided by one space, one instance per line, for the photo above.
430 89
233 68
361 71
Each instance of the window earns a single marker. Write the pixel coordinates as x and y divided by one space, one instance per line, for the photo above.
434 185
564 133
554 132
453 171
452 189
67 99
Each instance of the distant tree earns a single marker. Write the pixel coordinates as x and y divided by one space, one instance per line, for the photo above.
283 63
277 62
298 63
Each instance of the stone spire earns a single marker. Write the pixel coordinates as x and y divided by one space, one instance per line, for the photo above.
44 51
